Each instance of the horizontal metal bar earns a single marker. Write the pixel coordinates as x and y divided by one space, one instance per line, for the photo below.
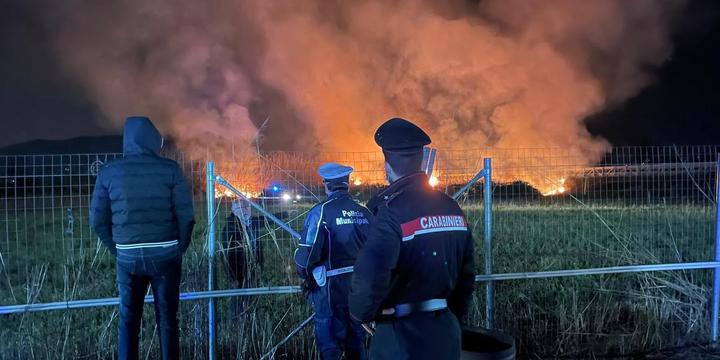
77 304
598 271
190 296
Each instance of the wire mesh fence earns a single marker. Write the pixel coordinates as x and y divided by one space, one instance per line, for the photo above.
552 210
48 253
635 206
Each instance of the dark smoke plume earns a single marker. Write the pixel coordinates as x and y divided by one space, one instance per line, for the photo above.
497 73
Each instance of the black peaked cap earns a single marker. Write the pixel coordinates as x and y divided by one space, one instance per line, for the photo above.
398 134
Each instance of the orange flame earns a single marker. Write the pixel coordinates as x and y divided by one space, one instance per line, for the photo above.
221 192
253 174
558 190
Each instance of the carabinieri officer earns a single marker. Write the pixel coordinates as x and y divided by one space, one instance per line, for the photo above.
414 277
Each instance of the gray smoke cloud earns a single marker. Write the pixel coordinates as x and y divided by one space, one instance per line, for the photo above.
494 73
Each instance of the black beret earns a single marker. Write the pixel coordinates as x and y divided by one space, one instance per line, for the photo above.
399 134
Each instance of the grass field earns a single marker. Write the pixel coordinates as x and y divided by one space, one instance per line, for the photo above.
581 316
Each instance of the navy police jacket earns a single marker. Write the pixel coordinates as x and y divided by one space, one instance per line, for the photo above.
419 248
332 236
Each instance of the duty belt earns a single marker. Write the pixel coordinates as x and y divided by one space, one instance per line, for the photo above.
401 310
339 271
320 274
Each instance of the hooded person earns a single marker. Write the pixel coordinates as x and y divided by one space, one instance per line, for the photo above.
142 212
332 236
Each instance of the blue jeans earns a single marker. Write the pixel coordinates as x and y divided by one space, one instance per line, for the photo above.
161 269
335 332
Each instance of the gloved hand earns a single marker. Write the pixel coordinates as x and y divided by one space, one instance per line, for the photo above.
307 286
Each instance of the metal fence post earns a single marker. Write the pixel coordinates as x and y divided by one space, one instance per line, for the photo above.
211 255
487 242
716 275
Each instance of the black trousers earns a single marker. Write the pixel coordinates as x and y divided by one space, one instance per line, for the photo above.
159 268
419 336
335 332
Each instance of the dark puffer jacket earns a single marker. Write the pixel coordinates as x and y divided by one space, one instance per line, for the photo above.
142 198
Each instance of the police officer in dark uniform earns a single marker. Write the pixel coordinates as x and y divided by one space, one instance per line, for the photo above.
334 232
414 277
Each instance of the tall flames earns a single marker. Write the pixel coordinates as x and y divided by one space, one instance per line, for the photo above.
322 75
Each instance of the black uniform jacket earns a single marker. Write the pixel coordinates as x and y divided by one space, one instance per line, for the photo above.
334 232
419 248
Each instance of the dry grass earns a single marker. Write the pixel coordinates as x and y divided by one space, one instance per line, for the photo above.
583 317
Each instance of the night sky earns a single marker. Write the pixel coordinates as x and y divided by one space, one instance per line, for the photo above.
681 107
36 100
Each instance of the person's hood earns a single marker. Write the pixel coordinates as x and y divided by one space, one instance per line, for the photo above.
141 137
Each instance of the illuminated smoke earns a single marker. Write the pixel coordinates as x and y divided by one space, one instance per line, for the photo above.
496 73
